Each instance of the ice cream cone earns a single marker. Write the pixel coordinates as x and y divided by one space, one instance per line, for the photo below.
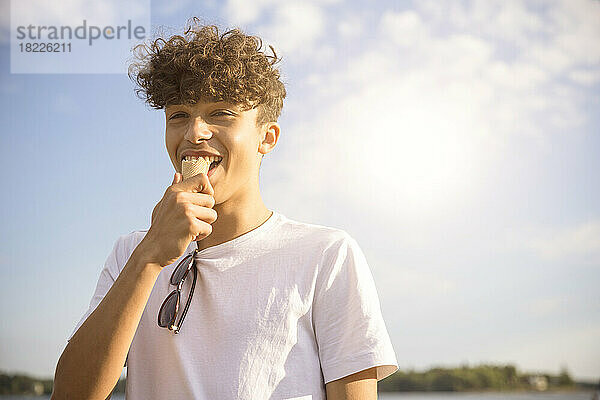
194 167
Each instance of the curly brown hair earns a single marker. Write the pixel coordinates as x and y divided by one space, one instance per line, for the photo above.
205 65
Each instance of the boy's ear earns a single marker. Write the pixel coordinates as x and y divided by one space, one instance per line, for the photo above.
270 135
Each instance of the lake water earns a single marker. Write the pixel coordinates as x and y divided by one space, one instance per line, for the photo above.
486 396
421 396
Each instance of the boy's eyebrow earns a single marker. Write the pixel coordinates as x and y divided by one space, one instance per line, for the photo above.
177 106
227 104
211 104
171 108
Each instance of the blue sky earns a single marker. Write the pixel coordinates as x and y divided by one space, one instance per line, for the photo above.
458 142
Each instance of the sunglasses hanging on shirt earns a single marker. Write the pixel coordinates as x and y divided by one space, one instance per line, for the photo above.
168 311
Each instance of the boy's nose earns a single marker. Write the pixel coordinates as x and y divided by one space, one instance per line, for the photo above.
198 130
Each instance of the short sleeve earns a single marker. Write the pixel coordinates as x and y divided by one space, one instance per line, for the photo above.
349 327
108 275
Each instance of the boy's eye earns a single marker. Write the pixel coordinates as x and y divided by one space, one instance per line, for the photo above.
218 113
177 115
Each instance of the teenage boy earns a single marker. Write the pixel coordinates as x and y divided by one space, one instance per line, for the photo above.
274 308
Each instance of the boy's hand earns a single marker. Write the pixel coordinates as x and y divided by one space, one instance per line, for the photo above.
156 207
183 214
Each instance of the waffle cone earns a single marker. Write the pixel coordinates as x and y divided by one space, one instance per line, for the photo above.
194 167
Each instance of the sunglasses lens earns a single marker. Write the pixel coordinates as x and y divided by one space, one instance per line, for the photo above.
166 315
181 268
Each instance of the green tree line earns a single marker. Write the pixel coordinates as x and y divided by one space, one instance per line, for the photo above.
27 385
482 377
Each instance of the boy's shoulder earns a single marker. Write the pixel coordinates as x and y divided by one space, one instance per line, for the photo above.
135 236
126 243
322 235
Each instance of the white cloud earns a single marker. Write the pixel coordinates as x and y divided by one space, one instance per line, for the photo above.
243 12
350 27
425 110
294 28
510 21
327 2
169 8
323 54
581 240
553 36
429 114
585 77
577 29
513 20
515 76
404 28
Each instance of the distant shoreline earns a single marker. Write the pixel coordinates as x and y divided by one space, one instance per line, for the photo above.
484 378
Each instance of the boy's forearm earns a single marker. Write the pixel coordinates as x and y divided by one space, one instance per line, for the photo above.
92 361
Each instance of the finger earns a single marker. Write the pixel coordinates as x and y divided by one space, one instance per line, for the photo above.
154 211
205 214
201 229
199 199
197 184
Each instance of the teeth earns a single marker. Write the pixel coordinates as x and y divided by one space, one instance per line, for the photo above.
192 165
208 159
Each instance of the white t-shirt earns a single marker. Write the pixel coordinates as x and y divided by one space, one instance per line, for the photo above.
277 313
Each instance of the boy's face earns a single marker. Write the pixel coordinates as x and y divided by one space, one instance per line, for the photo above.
221 128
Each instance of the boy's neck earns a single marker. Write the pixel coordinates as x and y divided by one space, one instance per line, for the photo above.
236 217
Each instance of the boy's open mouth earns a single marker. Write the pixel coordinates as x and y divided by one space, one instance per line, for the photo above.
213 161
